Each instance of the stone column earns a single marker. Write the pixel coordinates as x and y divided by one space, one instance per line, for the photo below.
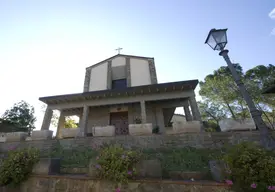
143 112
61 124
194 108
187 113
130 114
160 120
84 121
47 119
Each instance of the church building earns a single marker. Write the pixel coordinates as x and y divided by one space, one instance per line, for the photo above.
121 95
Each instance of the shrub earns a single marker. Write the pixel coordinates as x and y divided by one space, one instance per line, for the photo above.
137 120
156 130
18 166
116 164
251 167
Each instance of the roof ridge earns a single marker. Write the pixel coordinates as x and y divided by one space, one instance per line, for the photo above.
117 55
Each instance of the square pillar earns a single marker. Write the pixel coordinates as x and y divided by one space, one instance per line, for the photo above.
84 121
47 119
187 112
195 109
160 120
143 112
61 124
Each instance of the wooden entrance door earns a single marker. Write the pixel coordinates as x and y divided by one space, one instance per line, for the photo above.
120 121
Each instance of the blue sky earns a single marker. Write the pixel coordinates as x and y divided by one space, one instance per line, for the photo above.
46 45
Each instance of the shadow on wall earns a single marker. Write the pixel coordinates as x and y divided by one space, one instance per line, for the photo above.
6 127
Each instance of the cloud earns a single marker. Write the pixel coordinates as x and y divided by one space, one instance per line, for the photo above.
272 32
272 14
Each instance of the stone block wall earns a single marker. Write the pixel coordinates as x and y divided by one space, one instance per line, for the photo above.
99 116
200 140
84 184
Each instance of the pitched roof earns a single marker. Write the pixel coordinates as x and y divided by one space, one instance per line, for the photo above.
119 55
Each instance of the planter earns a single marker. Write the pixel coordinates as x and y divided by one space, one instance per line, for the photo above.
218 170
28 139
237 125
47 166
187 127
42 135
140 129
3 139
149 168
107 131
16 136
69 132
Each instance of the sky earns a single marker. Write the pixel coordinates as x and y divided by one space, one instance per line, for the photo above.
45 46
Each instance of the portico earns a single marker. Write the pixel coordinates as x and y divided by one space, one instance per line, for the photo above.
149 103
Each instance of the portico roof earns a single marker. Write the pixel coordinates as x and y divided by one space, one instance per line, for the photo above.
129 91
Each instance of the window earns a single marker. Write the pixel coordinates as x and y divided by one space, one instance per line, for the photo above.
119 84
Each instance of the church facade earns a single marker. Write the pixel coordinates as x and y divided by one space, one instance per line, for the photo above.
122 95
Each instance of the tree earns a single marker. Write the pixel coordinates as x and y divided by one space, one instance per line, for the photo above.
257 80
22 115
220 88
212 111
211 114
70 123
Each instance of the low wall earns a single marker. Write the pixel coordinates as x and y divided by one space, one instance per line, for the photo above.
84 184
199 140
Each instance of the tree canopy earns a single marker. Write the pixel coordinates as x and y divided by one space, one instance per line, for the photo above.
21 115
222 99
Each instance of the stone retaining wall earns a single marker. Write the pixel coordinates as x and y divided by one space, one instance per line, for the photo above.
84 184
200 140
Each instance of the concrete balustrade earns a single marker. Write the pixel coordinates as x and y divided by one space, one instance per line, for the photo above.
186 127
102 131
237 125
3 138
16 136
140 129
42 135
69 132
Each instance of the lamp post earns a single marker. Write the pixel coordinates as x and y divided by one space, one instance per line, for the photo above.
217 40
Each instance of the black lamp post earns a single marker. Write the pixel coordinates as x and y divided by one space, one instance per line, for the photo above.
217 40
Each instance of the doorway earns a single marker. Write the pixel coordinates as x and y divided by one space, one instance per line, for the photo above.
120 121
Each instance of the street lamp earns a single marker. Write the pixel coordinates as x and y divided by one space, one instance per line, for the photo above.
217 40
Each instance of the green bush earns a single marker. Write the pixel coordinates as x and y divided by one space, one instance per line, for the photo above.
156 130
73 157
250 164
116 164
18 166
182 159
